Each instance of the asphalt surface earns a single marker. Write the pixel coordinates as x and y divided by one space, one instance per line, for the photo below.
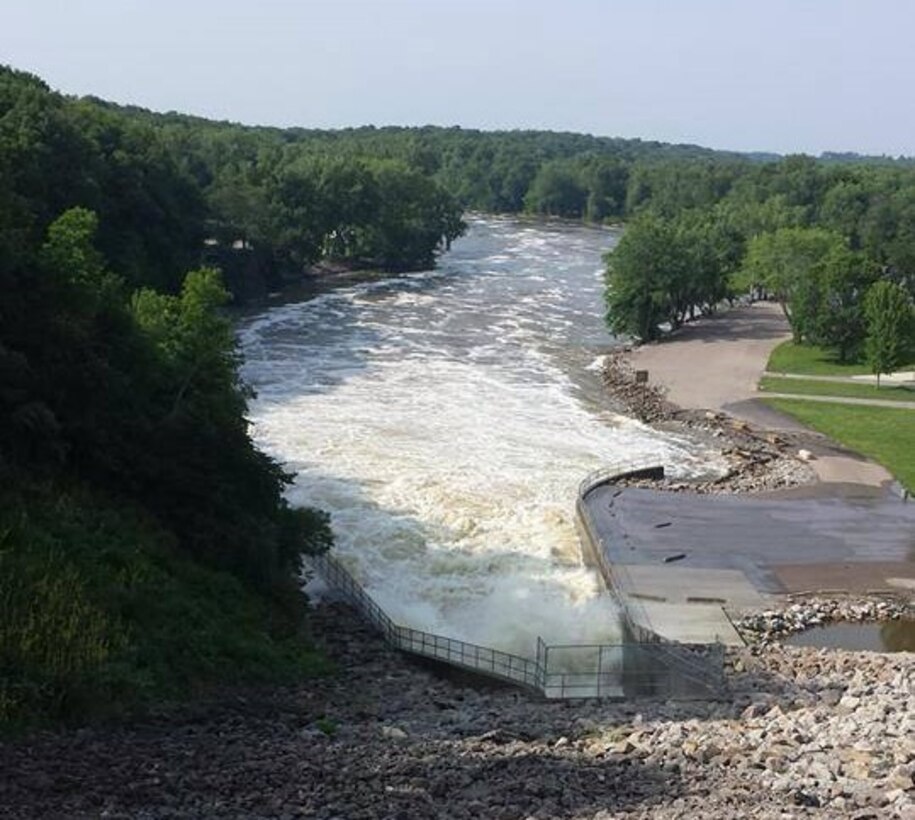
758 536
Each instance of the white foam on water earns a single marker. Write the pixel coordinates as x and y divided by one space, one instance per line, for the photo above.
447 442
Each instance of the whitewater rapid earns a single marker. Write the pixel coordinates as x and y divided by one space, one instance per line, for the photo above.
445 419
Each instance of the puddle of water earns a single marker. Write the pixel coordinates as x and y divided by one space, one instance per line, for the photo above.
886 636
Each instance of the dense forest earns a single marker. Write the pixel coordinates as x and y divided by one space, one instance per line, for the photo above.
703 225
146 547
145 544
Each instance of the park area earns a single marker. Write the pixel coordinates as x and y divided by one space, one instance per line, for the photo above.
844 402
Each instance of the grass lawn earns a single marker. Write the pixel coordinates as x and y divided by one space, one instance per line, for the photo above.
813 388
886 434
789 357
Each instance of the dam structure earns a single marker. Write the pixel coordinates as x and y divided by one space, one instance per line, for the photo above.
676 563
642 664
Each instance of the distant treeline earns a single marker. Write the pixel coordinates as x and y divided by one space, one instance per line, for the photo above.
162 186
701 211
391 197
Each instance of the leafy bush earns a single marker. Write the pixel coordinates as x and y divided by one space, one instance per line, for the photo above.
99 613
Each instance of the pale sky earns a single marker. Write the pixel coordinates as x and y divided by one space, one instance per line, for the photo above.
772 75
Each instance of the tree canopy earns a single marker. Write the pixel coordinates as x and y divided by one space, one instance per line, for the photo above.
814 236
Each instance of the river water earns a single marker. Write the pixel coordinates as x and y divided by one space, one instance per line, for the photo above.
445 418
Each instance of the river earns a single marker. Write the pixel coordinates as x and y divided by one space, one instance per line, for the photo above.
445 418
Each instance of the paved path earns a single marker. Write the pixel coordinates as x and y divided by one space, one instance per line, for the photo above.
715 361
861 379
905 405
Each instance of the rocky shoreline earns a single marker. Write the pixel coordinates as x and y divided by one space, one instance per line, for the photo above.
805 733
758 461
770 626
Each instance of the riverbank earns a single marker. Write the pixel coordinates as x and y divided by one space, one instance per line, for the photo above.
758 460
801 514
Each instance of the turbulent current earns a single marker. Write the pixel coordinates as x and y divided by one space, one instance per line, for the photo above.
445 419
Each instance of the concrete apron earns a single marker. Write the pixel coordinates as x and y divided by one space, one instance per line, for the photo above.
681 563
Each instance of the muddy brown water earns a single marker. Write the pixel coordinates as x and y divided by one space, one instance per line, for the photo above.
887 636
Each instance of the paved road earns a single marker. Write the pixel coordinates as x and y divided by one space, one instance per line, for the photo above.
718 360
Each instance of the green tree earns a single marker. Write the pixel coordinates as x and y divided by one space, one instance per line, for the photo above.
197 467
842 208
889 327
414 219
557 191
644 274
783 263
712 250
750 217
841 281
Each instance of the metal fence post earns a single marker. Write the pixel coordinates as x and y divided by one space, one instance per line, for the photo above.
600 670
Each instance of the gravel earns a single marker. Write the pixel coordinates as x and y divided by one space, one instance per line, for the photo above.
771 625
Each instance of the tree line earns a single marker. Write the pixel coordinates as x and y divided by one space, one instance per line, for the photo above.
163 186
833 244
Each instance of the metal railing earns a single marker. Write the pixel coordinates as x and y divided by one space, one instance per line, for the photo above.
613 472
578 671
493 662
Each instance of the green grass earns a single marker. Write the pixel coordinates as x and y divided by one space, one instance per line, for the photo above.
811 360
774 384
886 434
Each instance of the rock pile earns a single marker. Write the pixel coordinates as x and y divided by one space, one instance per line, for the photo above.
646 402
757 461
807 733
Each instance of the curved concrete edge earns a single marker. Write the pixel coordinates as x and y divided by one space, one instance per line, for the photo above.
696 669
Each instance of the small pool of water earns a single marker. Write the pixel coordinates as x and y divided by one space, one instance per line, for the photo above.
886 636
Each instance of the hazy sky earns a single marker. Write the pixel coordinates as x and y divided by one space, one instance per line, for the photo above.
779 75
